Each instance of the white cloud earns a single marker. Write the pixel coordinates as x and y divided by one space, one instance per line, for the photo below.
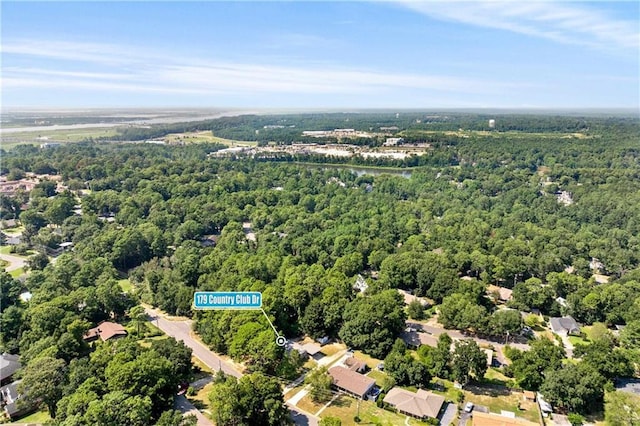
562 22
133 69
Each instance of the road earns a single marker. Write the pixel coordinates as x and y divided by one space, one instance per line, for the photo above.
15 262
181 330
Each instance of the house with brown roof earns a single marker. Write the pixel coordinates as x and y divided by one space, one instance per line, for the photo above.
504 294
421 404
414 339
490 419
351 382
354 364
105 330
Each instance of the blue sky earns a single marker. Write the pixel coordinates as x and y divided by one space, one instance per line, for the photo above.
383 54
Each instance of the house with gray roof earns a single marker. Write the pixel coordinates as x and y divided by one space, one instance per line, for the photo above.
9 364
564 326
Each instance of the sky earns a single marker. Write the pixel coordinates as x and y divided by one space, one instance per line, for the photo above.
338 54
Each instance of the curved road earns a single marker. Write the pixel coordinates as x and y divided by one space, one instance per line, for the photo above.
181 330
15 262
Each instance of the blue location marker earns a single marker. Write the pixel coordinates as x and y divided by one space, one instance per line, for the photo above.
227 300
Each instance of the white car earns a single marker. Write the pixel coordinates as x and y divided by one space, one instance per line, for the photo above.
468 407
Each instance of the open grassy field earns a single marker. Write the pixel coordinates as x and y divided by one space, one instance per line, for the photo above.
55 136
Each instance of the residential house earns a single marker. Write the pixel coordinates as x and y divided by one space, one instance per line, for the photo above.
564 326
413 339
361 284
421 404
8 223
105 330
354 364
408 298
504 294
9 401
504 419
9 364
351 382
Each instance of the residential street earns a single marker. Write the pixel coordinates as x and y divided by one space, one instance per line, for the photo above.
181 330
15 262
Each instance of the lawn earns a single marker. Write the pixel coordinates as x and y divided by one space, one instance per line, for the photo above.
371 362
576 340
37 417
346 408
201 399
16 272
125 285
378 376
498 399
13 231
56 136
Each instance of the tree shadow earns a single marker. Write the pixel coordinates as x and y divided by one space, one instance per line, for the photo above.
488 390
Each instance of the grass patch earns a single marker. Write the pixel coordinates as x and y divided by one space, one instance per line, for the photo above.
576 340
37 417
16 272
495 376
332 348
371 362
346 408
201 398
378 376
35 137
498 399
13 231
308 405
125 285
293 391
3 263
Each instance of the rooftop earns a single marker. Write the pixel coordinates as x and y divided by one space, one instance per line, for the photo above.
9 364
490 419
105 330
350 381
420 404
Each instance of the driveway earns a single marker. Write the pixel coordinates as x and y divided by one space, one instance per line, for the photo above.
183 405
463 419
449 415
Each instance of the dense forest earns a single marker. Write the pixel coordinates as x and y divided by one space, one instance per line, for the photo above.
528 212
